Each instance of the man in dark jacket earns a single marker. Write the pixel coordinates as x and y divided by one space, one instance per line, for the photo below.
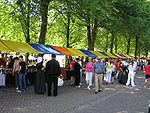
77 68
52 72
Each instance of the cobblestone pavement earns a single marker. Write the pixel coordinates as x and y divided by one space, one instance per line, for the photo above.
115 98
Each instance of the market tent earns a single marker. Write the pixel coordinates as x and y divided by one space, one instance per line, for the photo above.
88 53
77 52
123 55
115 55
19 47
120 56
110 55
127 56
104 53
146 58
64 50
4 48
99 54
46 49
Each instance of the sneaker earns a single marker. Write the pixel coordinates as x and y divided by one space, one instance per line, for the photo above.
18 91
77 86
80 84
89 88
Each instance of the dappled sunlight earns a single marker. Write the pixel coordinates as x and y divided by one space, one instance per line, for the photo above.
122 112
20 109
113 89
130 92
140 77
137 89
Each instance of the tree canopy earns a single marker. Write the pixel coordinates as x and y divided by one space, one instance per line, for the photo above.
118 26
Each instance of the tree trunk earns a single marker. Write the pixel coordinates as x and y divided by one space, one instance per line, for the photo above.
44 13
146 53
106 46
28 24
91 34
139 49
112 42
116 44
68 29
136 45
128 45
28 29
94 33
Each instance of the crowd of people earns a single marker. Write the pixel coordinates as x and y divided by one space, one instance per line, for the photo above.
100 70
123 70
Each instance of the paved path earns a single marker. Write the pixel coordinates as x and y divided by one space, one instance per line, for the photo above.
115 98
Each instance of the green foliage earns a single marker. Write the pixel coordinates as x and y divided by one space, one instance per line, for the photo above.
127 18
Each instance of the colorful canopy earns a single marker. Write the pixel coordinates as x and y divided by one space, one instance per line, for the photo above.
120 56
64 50
19 47
110 55
146 58
88 53
104 54
127 56
99 54
4 48
123 56
46 49
77 52
115 55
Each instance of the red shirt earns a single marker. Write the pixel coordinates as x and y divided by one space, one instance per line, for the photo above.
117 66
147 69
72 65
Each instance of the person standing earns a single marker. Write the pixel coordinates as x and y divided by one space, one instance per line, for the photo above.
80 62
16 69
39 85
52 71
77 68
99 69
10 62
22 72
109 69
2 61
147 72
131 74
117 67
89 73
72 72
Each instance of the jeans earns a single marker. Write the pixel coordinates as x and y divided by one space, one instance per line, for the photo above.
22 82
